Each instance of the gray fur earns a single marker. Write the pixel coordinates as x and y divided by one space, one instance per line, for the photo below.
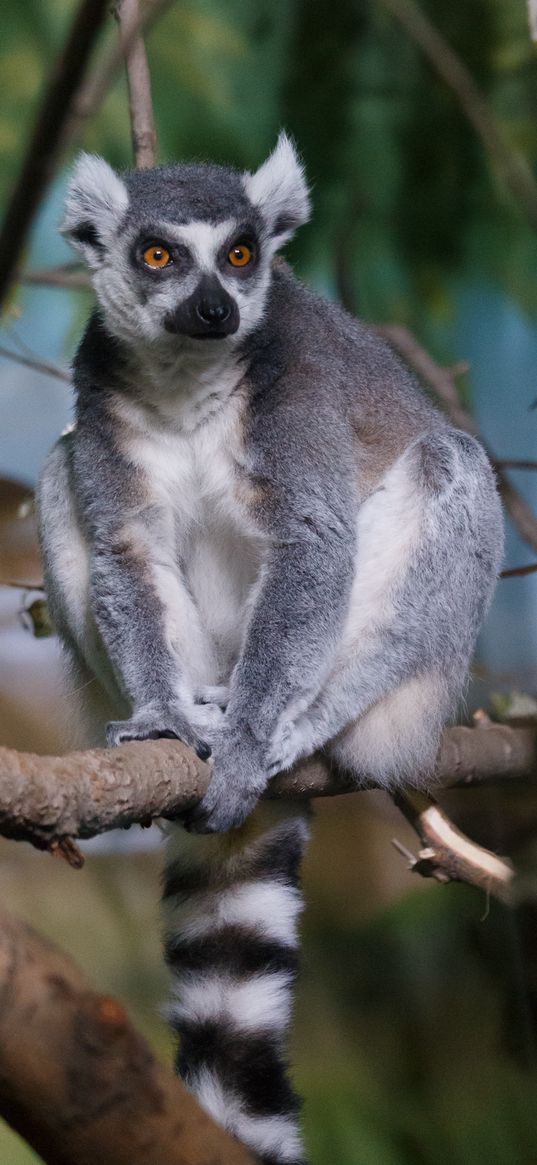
302 435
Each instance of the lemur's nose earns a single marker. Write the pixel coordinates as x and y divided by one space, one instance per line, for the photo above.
213 310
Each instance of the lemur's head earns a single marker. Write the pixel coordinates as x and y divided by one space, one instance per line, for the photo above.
184 251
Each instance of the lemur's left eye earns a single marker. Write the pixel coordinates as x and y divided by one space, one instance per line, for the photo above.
157 256
240 255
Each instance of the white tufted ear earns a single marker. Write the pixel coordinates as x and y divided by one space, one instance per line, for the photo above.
278 189
94 207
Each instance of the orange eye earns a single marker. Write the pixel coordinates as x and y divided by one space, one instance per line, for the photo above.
157 256
239 255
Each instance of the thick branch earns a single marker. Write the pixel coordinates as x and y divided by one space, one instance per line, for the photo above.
41 155
46 800
144 137
510 164
442 382
76 1079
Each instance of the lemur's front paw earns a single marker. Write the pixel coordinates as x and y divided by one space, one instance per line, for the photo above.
238 779
152 723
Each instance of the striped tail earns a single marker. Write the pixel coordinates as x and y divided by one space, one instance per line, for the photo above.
231 906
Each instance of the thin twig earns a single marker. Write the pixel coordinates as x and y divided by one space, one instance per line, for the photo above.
511 166
441 381
532 18
515 571
91 95
514 463
66 275
144 137
21 586
43 366
42 152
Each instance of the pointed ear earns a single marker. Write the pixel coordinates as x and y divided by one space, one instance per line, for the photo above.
278 189
94 207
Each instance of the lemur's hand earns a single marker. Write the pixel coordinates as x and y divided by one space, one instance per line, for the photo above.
155 721
239 777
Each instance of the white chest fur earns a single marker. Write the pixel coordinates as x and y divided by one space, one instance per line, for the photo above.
192 479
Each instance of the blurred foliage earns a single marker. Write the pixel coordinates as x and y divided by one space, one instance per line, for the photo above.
400 183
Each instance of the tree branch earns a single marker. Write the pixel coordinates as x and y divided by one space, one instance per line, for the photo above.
43 147
65 275
447 854
78 1082
43 366
516 571
91 94
514 463
442 382
69 103
511 166
49 801
144 137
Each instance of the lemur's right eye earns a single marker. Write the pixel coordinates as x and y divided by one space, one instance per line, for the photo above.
157 256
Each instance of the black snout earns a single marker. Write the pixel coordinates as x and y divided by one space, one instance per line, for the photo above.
208 314
213 310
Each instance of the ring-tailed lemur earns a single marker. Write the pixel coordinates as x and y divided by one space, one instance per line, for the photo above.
259 511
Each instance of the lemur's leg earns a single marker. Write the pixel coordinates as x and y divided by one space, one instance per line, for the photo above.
231 911
67 562
424 573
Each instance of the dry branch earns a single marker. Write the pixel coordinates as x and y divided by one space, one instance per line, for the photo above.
447 854
144 137
78 1082
43 148
442 382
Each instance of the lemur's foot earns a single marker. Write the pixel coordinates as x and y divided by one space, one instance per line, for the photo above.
292 740
206 718
212 694
153 723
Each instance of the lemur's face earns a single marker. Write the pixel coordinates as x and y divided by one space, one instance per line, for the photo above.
182 253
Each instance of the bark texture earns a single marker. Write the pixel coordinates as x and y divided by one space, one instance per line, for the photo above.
44 799
78 1082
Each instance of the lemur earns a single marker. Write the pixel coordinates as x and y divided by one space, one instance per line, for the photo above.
261 538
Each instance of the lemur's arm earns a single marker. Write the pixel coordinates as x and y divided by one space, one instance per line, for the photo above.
294 626
309 508
132 612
